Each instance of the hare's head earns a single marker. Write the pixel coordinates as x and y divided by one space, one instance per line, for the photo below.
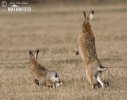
33 55
86 23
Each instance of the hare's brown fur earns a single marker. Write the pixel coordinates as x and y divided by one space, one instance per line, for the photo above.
42 76
87 50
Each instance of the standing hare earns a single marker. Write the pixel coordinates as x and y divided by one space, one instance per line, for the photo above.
43 76
87 50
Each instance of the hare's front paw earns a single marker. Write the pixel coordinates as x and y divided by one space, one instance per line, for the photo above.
76 51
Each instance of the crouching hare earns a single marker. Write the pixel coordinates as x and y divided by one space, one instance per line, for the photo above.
87 50
43 76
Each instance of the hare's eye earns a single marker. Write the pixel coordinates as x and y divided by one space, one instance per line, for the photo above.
56 75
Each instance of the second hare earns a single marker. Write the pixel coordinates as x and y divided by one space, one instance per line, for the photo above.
87 50
43 76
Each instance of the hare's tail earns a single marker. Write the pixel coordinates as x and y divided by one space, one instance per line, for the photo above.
101 68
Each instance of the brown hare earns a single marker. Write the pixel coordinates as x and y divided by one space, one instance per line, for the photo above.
87 50
43 76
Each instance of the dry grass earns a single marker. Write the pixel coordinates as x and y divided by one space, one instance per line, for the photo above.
54 32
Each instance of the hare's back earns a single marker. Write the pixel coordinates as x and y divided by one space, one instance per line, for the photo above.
39 71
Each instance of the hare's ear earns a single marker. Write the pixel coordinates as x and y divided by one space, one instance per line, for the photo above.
36 54
90 16
84 13
30 53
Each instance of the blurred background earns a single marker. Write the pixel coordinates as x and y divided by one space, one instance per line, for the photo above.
71 1
53 27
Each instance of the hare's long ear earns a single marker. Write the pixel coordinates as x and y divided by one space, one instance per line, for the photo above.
36 54
31 54
90 16
84 13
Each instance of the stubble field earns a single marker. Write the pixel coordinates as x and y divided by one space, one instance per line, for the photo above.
54 30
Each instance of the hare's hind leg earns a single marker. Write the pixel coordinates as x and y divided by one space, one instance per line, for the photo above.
99 79
53 85
90 80
42 82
